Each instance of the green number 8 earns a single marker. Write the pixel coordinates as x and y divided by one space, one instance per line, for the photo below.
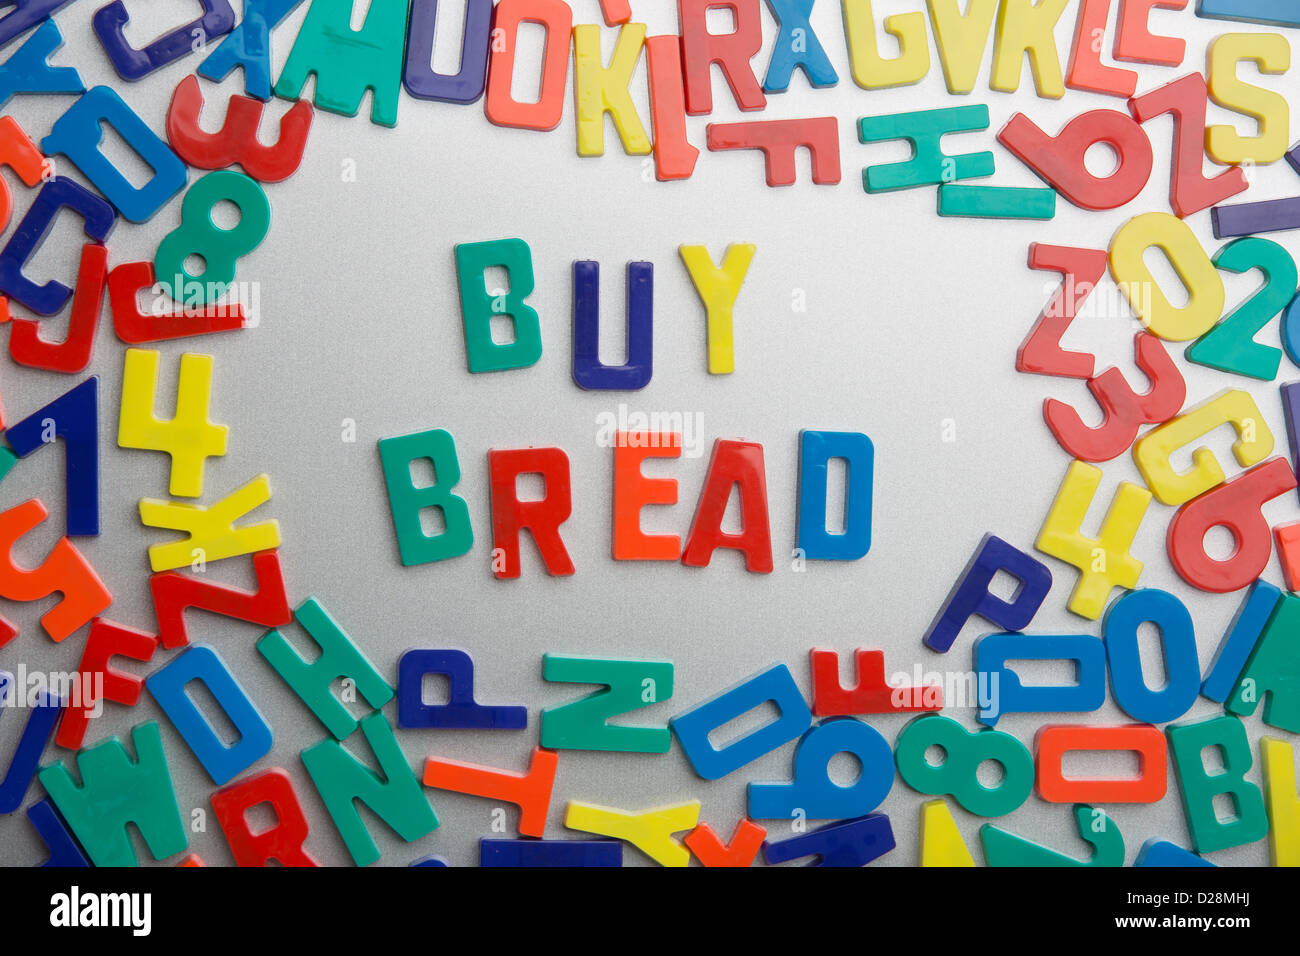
963 753
198 235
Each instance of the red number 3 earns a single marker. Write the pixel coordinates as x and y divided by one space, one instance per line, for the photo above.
237 140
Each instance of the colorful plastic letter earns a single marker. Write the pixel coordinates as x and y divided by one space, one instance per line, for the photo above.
1053 742
529 791
97 681
1025 30
1252 218
924 130
1135 43
718 288
1059 160
1271 673
871 694
1199 787
775 685
44 710
544 853
779 140
218 249
173 593
1236 505
249 46
282 842
1177 635
408 502
584 724
1153 451
348 62
850 843
211 530
1271 54
461 709
1086 71
674 155
53 831
1242 635
796 46
1287 539
28 69
1204 287
20 154
871 71
116 791
1280 795
816 449
500 106
1041 352
963 753
237 140
78 133
1230 346
1006 849
542 517
708 848
996 202
313 682
941 842
64 570
478 304
633 491
615 12
600 89
1190 190
73 417
1162 853
188 436
1278 13
73 354
59 192
588 370
393 794
961 39
813 791
136 327
1290 393
418 75
25 15
222 761
650 831
1087 693
110 22
738 465
1124 411
731 51
971 593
